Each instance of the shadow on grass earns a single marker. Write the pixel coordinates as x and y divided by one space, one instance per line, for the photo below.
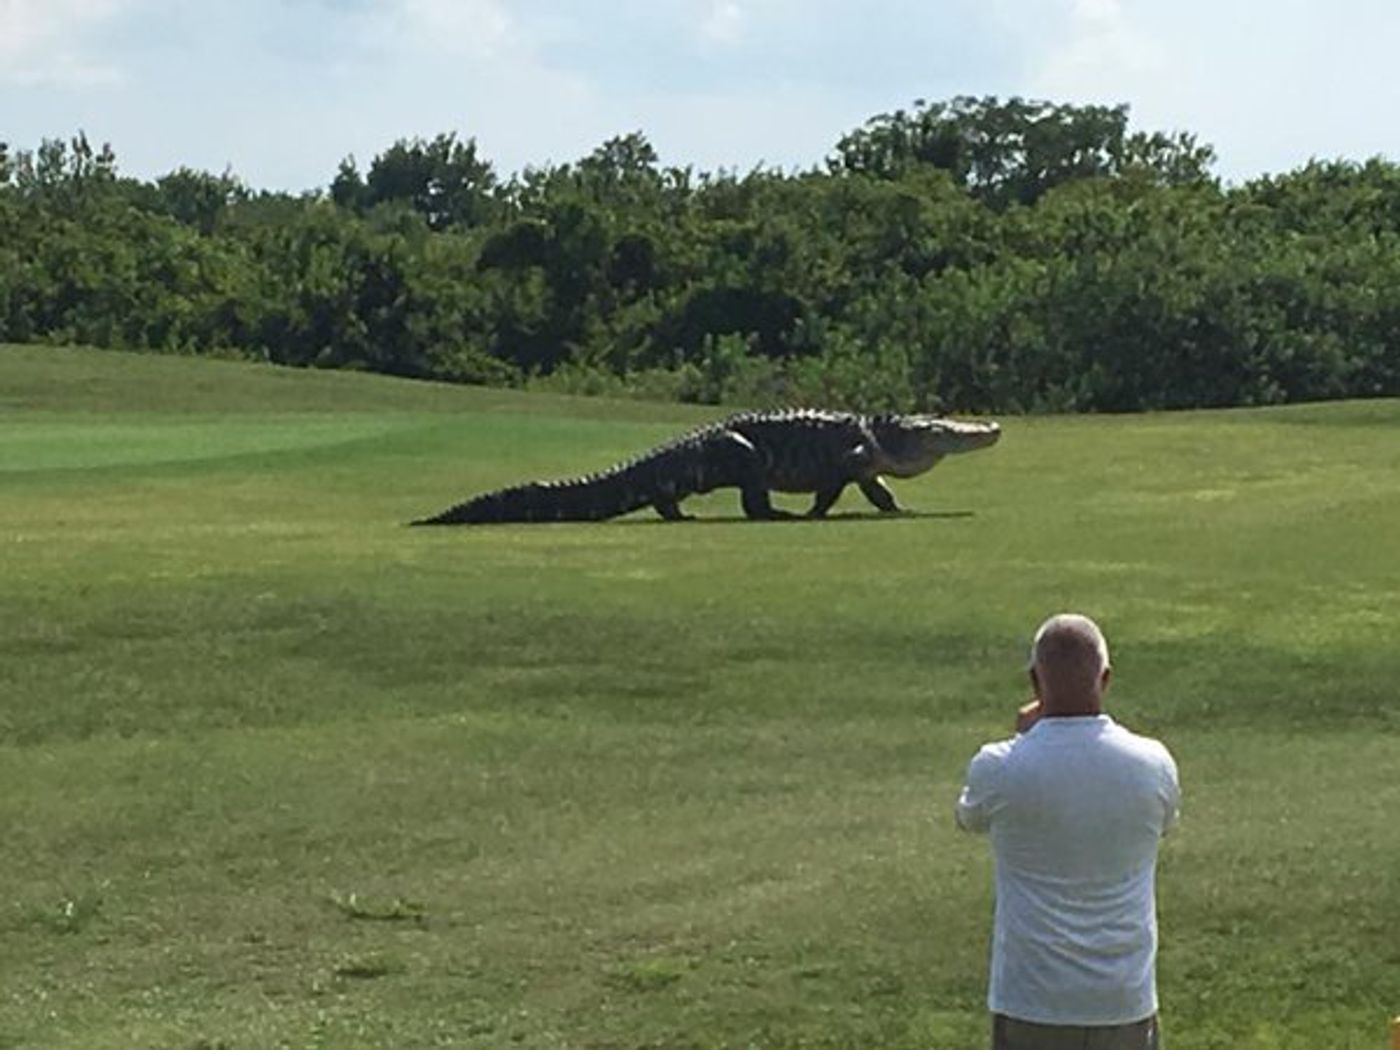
801 519
737 519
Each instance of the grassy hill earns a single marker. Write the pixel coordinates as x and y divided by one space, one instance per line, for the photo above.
277 770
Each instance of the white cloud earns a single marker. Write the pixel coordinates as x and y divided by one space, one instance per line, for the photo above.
282 89
722 22
1097 10
42 42
1098 50
1269 87
480 29
792 127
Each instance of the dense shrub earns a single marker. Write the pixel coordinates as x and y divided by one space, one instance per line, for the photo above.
975 255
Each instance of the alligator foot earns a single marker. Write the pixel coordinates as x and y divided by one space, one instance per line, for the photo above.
671 511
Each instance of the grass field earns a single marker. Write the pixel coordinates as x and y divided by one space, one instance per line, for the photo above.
276 771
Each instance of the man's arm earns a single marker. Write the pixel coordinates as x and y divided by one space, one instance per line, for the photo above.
977 801
1171 792
978 798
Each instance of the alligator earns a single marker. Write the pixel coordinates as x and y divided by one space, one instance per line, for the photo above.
793 450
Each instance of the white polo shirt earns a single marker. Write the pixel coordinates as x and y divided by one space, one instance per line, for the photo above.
1076 807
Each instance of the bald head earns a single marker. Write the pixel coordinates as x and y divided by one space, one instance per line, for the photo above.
1069 664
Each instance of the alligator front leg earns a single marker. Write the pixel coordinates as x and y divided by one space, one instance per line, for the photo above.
878 493
825 499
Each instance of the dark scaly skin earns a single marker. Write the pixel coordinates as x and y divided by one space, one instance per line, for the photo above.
796 450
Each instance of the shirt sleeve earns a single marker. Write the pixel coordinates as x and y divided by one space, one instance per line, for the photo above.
1171 792
975 804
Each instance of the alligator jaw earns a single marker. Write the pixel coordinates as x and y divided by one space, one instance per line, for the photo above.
913 444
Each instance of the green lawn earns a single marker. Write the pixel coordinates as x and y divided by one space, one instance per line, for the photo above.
276 770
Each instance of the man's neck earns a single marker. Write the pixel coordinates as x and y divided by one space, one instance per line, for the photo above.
1082 709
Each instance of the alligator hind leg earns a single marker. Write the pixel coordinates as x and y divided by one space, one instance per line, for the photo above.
825 499
758 505
671 510
878 493
743 467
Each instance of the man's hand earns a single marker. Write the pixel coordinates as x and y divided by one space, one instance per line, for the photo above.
1027 715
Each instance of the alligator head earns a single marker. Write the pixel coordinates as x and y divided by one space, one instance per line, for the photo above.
910 445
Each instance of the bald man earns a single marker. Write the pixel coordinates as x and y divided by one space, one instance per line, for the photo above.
1075 806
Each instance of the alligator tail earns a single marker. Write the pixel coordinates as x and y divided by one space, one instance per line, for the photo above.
592 498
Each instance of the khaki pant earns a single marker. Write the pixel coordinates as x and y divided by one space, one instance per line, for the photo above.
1010 1034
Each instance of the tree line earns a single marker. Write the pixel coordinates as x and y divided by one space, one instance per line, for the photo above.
973 255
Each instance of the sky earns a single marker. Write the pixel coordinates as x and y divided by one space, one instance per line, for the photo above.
279 92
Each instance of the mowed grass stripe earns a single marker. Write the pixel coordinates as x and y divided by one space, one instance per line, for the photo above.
276 769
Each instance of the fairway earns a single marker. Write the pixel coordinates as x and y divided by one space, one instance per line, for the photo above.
277 770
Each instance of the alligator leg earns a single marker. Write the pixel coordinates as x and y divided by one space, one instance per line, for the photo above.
670 510
744 468
825 498
759 506
878 493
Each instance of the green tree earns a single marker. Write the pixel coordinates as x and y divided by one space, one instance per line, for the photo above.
966 255
64 174
444 180
1013 151
199 199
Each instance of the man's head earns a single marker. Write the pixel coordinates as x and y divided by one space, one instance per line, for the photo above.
1069 665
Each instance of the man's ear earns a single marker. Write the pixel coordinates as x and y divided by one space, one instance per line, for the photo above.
1105 678
1035 682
